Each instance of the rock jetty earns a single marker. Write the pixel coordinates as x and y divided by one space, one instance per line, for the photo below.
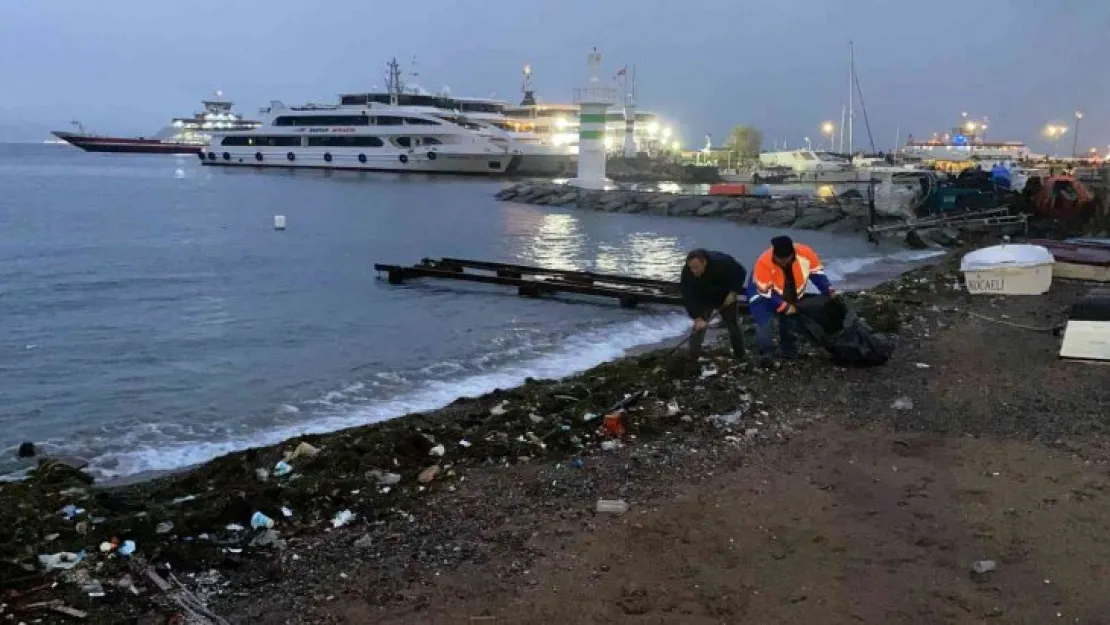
835 214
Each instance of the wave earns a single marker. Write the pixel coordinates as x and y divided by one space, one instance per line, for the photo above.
577 353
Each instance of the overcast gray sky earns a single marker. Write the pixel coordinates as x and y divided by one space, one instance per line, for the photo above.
127 66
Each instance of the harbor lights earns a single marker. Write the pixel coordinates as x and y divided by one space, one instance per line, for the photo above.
1054 132
827 129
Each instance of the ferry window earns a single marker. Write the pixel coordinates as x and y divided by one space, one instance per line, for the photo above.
431 141
388 120
345 142
236 141
355 100
404 142
279 141
417 121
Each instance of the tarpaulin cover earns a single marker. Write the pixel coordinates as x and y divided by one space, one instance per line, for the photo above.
831 324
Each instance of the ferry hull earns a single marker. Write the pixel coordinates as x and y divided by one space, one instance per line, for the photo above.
449 164
131 145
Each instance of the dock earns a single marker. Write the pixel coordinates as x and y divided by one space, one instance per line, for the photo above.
531 281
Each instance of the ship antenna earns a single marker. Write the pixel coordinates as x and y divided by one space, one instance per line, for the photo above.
529 94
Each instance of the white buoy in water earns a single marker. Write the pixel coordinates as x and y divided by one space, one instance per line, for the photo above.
279 222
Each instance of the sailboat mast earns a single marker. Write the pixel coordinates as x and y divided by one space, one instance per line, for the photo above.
851 89
843 112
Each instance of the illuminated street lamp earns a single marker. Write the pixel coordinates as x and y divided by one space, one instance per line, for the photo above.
827 129
809 146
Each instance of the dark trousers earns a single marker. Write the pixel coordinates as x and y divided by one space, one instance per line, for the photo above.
764 314
732 322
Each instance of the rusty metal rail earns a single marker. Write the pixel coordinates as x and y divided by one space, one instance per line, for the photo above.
530 281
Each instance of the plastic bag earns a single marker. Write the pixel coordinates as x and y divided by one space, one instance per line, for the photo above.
831 324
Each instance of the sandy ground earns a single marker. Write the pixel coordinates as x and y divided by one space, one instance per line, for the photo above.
865 513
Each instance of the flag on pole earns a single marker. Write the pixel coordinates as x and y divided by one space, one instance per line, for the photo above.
623 71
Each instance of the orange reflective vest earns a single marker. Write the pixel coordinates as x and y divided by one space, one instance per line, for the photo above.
769 280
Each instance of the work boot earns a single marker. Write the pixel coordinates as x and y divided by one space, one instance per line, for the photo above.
739 351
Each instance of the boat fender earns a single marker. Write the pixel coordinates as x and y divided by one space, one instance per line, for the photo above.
431 156
291 156
200 155
362 158
211 156
227 157
258 156
404 158
327 157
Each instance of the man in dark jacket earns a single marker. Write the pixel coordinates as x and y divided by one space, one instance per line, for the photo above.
712 281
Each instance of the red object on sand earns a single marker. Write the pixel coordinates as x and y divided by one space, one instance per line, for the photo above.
614 423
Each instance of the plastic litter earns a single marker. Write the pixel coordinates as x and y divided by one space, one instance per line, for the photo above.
267 538
428 474
342 518
71 511
93 589
262 474
590 416
261 521
464 443
385 478
902 403
127 548
673 409
235 527
62 560
709 372
984 566
180 500
106 547
163 527
437 451
614 423
303 449
286 512
612 506
282 468
499 409
610 445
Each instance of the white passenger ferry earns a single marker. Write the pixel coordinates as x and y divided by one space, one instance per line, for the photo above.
364 133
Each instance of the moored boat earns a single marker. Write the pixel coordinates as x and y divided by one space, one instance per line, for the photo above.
390 132
184 135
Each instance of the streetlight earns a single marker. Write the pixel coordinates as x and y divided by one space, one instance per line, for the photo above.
1075 143
809 146
827 129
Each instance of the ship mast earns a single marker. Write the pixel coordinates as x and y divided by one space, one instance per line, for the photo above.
851 90
393 84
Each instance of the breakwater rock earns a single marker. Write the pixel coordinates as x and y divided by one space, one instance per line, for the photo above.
840 215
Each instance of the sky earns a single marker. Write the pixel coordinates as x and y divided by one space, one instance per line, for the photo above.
127 66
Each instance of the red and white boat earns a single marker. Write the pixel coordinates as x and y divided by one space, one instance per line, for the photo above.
184 135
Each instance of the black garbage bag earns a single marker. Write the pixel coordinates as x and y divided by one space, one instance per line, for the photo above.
830 323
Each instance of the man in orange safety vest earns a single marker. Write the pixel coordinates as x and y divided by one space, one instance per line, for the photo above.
779 279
